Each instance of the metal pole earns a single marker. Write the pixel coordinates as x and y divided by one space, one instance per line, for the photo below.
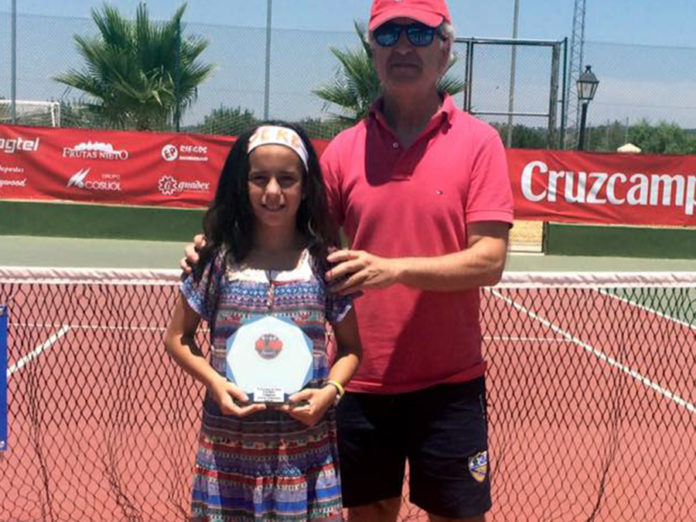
513 62
177 78
564 105
583 120
267 86
13 72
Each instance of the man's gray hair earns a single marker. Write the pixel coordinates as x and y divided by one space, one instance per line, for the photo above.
447 29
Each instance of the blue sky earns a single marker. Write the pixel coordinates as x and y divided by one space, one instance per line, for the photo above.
643 51
650 22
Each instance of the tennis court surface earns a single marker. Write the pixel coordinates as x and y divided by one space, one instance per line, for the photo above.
591 397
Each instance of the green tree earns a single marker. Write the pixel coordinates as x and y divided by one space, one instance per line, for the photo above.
356 85
524 137
607 137
74 114
664 138
138 71
322 129
227 121
4 112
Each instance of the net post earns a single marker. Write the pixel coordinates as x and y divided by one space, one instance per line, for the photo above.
3 379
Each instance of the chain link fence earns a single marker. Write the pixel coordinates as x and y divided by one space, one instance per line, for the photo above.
636 82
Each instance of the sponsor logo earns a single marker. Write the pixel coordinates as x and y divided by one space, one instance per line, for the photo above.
170 153
478 466
106 183
539 183
10 146
268 346
169 186
96 151
11 170
184 152
12 182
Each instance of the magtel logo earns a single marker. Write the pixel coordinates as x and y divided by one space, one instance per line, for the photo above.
96 150
169 186
10 146
108 183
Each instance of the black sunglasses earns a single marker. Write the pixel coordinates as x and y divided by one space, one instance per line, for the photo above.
418 34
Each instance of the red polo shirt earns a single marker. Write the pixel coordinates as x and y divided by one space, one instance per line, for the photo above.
417 202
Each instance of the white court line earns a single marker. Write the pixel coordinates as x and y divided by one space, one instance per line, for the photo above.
38 350
647 309
515 338
95 327
101 327
599 354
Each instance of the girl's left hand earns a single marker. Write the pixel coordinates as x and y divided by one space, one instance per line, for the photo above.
309 405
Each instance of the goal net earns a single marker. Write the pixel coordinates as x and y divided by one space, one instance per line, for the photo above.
29 112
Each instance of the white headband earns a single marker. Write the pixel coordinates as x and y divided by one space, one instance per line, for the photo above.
273 135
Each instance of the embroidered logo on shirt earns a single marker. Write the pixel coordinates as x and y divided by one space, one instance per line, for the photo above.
478 466
268 346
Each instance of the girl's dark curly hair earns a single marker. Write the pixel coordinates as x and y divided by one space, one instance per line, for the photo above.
228 223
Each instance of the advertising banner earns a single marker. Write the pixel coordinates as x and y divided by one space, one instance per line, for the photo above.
632 189
181 170
131 168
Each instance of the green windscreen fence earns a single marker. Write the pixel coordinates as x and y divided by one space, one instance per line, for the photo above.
591 389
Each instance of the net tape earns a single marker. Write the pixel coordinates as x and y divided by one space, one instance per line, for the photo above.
591 397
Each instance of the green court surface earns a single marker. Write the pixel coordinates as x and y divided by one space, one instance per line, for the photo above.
108 253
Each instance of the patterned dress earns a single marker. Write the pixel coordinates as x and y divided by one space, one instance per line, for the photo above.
266 466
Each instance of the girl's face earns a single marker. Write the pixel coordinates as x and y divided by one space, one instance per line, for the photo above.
275 186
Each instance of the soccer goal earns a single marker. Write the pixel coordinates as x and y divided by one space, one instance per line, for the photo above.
29 112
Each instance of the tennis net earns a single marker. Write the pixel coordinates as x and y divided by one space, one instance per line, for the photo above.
591 391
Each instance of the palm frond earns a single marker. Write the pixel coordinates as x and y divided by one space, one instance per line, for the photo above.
130 68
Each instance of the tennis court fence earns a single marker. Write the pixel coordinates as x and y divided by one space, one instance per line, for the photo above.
591 395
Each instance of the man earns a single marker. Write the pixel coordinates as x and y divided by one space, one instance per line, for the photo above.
422 191
423 194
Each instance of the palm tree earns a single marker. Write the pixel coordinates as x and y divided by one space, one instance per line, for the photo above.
138 74
356 85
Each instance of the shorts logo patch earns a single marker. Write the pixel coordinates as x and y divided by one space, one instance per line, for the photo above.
478 466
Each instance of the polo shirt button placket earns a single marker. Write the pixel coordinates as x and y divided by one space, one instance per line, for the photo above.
395 144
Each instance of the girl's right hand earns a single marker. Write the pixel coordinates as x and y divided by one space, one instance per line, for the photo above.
231 399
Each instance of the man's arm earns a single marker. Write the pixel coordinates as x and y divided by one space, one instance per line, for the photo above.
481 264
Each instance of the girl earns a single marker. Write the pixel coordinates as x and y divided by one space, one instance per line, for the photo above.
268 235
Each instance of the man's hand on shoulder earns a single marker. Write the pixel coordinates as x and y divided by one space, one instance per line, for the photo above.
191 253
357 270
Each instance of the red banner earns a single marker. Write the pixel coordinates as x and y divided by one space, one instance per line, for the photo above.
181 170
109 166
632 189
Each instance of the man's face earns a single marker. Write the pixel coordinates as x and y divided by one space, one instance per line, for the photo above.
404 66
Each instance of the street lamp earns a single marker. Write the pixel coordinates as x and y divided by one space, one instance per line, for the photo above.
587 87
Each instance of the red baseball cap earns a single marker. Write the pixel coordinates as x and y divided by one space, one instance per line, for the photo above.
428 12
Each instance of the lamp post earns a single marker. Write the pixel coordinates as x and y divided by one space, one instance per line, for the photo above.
587 87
